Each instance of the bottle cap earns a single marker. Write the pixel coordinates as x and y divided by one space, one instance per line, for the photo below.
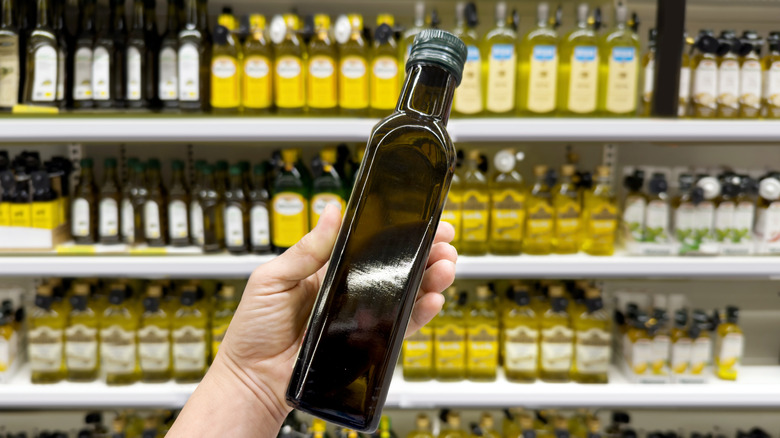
686 181
710 187
602 171
634 181
257 21
154 163
81 289
441 48
504 161
486 421
732 314
383 33
177 165
582 13
658 184
109 162
470 13
44 291
567 170
483 292
154 291
321 21
290 155
356 21
328 155
387 19
235 170
423 422
681 318
542 12
555 291
769 189
86 162
227 292
540 171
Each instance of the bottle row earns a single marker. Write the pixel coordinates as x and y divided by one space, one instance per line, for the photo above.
121 331
125 424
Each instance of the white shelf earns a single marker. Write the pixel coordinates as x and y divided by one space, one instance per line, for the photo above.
208 129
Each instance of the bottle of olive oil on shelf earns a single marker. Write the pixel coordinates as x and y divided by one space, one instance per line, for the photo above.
600 213
705 76
118 331
728 75
167 61
750 75
729 346
225 308
701 348
190 338
539 216
82 62
486 426
154 337
527 426
289 73
133 206
9 56
257 85
208 213
45 339
193 58
680 352
538 66
422 427
384 72
648 74
742 230
450 339
499 65
137 60
418 355
81 337
452 426
656 222
468 97
42 59
684 212
557 339
475 208
289 204
578 71
705 210
353 70
482 337
83 210
685 76
453 209
178 205
507 206
619 67
327 188
593 342
322 92
225 71
725 208
634 207
21 208
521 339
566 204
657 330
259 217
770 65
236 218
155 214
109 221
410 33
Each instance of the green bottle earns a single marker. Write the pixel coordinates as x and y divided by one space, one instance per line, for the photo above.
327 188
118 329
290 204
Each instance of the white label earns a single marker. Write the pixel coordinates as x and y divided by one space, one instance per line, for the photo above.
189 349
134 75
593 351
196 219
705 218
681 355
81 348
151 220
9 66
649 69
288 205
44 86
728 82
730 349
701 355
117 350
189 73
320 67
101 74
640 355
177 220
685 84
109 218
234 226
261 231
154 348
82 77
724 219
661 354
61 75
744 215
685 217
128 221
80 217
169 74
257 67
557 348
705 83
657 221
288 67
772 84
634 217
223 67
385 68
44 349
521 349
750 83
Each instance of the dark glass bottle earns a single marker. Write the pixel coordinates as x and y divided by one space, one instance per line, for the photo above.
211 202
104 67
236 214
155 214
42 54
167 62
110 198
83 210
194 58
345 363
178 207
127 217
120 54
151 76
259 218
9 56
63 53
139 194
82 64
136 59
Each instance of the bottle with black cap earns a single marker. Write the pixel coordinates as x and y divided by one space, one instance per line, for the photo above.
680 353
45 339
7 186
729 346
705 210
728 74
701 348
634 207
384 72
684 209
21 203
520 338
705 75
44 202
118 330
557 339
771 67
620 422
225 73
468 96
81 337
656 227
768 214
638 348
744 211
190 338
593 340
726 207
750 75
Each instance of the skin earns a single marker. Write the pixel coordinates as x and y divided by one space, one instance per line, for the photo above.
243 392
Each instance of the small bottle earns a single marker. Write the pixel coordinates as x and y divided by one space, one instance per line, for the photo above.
680 352
45 202
648 64
656 223
527 426
521 339
557 339
601 216
257 85
190 338
450 338
225 72
685 77
42 59
327 188
684 212
701 349
81 337
634 207
224 310
353 70
83 207
195 213
384 72
259 217
482 337
705 75
745 211
593 340
619 69
638 345
486 426
236 213
108 213
476 208
322 91
118 337
728 75
468 100
499 65
507 205
154 210
289 73
567 213
730 346
45 339
133 206
178 205
750 75
208 214
538 66
422 427
578 75
154 338
725 208
289 204
770 96
539 216
658 331
21 204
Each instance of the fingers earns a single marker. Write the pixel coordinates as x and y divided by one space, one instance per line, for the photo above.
438 277
442 251
428 306
445 233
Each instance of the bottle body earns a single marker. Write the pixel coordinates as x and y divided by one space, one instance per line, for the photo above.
521 344
578 73
507 214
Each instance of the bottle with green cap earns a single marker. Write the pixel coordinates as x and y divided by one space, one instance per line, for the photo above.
178 204
108 213
207 216
83 209
236 218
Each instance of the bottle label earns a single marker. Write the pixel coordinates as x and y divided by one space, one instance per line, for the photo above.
152 220
705 83
225 84
468 96
196 219
61 55
685 84
539 225
657 222
701 355
660 359
21 215
685 222
154 348
418 350
521 348
750 84
101 74
44 349
603 223
567 219
647 95
177 220
169 74
117 350
320 201
450 347
44 215
81 348
507 215
771 85
109 218
80 218
742 226
583 80
82 77
257 82
189 349
705 218
640 355
557 348
728 83
592 351
724 220
288 82
44 86
5 214
622 80
189 73
290 217
452 212
729 351
385 85
134 73
482 348
634 218
234 226
323 82
475 216
218 331
681 356
543 79
10 77
261 230
128 221
353 83
501 78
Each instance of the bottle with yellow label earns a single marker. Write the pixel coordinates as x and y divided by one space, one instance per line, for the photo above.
154 337
118 330
578 69
45 339
190 338
538 67
322 81
418 354
20 210
450 338
476 208
539 223
593 340
81 337
557 339
499 66
750 75
422 427
771 67
225 72
224 310
257 74
385 72
468 100
353 70
327 187
289 204
600 216
453 209
566 204
289 72
521 339
482 337
728 75
729 347
408 36
704 66
619 67
507 206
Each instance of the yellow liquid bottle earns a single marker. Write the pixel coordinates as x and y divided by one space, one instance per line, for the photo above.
322 92
538 67
510 425
452 428
486 426
593 340
704 66
566 204
639 345
701 349
750 75
450 339
154 337
482 337
507 206
224 310
453 209
656 223
422 427
257 85
289 204
685 77
539 216
118 330
499 66
189 338
289 72
619 68
657 330
729 347
634 208
81 337
468 99
771 67
353 71
527 429
521 339
327 188
45 339
680 352
225 69
578 423
557 339
648 74
728 75
578 71
476 208
601 214
408 36
385 73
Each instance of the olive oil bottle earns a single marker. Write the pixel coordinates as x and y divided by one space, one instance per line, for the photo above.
289 72
728 75
475 208
155 214
729 346
118 336
750 75
507 206
327 188
83 209
634 208
701 349
289 204
619 67
109 221
190 338
322 91
137 60
656 223
384 72
167 58
81 337
236 218
705 76
557 339
42 59
257 77
9 56
225 308
353 71
482 337
134 212
410 33
521 339
578 71
685 77
566 205
486 426
452 426
178 206
684 213
82 62
539 216
225 71
593 341
600 213
450 339
422 427
770 65
538 66
45 339
468 97
259 217
453 209
499 65
648 73
208 213
418 355
680 352
154 337
193 58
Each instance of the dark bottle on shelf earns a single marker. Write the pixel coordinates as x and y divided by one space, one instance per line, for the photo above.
104 68
211 203
236 214
259 218
151 76
82 64
41 82
63 54
108 212
120 54
136 59
155 214
196 214
9 56
178 207
167 60
345 364
193 58
138 196
83 211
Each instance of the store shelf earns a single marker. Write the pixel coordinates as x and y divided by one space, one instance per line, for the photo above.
206 129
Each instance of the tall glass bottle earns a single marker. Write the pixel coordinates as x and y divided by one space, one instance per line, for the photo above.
648 73
210 205
705 76
168 59
327 188
137 60
593 342
81 337
45 339
83 209
468 97
384 72
771 68
151 75
155 213
103 64
410 33
82 65
154 338
257 87
557 348
377 214
289 204
10 79
64 48
750 75
178 206
193 58
619 67
289 72
449 331
190 338
134 212
482 337
521 339
578 71
225 72
236 218
109 220
118 331
224 309
42 59
538 66
539 224
259 217
353 71
499 65
729 346
600 216
728 75
119 26
507 206
566 204
322 92
476 208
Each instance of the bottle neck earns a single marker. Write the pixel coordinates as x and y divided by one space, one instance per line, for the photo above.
428 92
44 17
178 178
110 175
88 17
258 181
7 11
173 16
138 15
154 178
192 13
59 15
236 182
118 20
86 175
203 15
